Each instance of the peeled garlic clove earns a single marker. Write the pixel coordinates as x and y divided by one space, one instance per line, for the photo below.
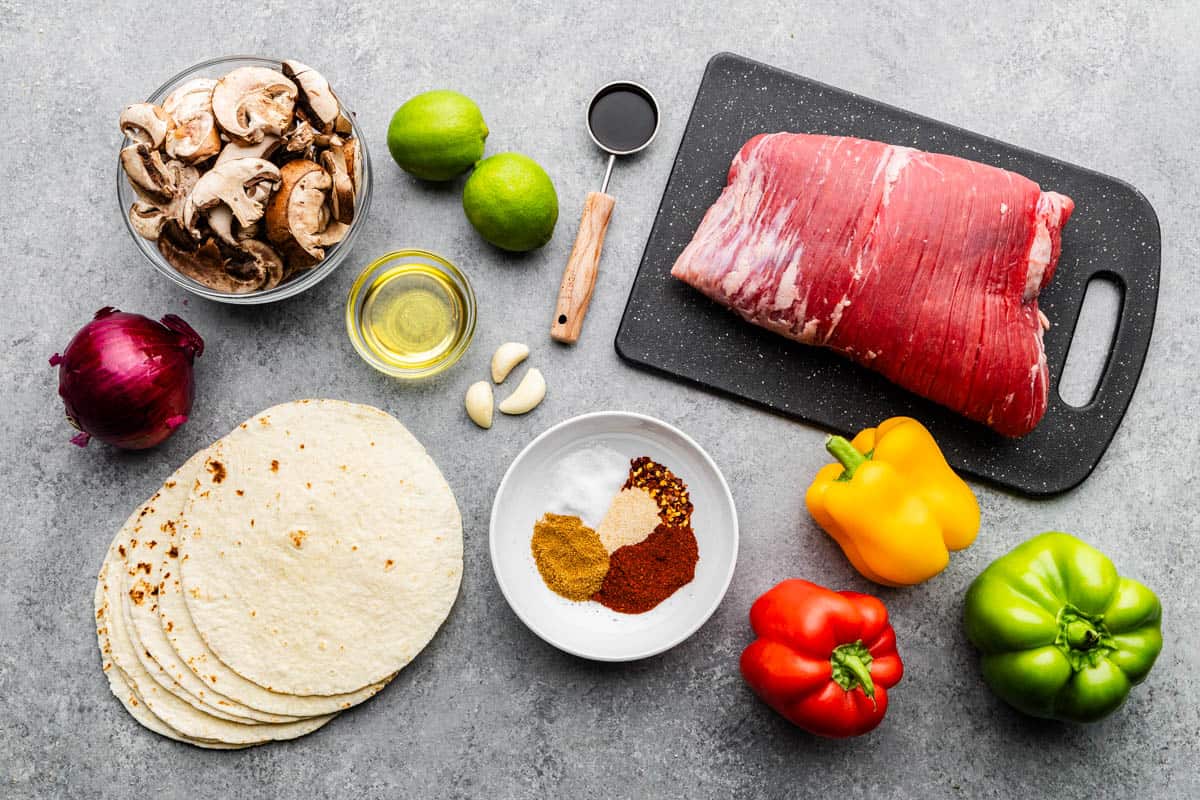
527 395
479 404
507 356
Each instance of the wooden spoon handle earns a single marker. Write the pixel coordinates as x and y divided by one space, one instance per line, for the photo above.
579 278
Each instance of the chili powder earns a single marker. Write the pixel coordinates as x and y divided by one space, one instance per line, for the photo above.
642 575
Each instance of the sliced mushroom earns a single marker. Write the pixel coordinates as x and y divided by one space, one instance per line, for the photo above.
149 214
296 217
300 139
353 163
146 171
146 123
341 198
263 149
230 183
316 98
254 268
147 219
253 102
260 262
194 137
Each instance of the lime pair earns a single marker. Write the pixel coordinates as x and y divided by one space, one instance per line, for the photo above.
508 198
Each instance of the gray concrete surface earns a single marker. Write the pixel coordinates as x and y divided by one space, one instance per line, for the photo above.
489 710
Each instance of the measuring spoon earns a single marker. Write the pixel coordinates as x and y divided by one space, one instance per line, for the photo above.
622 119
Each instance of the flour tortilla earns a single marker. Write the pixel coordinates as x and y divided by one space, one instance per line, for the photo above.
143 568
176 624
175 713
322 549
120 688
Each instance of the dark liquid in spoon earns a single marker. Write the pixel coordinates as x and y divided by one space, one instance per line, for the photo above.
622 119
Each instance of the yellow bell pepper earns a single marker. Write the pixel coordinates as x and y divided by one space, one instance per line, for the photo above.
893 503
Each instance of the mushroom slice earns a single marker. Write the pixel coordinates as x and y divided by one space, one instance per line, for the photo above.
296 217
203 263
261 262
207 265
253 102
147 219
146 123
230 183
146 171
150 213
316 98
341 198
194 136
263 149
300 139
353 163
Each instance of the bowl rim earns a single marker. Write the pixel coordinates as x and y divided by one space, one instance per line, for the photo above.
725 583
334 256
443 265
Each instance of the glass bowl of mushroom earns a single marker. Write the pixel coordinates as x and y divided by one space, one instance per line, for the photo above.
243 179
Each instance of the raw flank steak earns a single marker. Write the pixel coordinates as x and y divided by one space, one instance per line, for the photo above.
921 266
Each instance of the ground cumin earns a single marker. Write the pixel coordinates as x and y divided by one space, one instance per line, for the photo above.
642 575
569 556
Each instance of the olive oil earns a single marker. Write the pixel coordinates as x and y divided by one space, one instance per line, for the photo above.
413 316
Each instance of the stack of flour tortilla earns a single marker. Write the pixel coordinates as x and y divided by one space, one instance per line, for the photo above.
280 576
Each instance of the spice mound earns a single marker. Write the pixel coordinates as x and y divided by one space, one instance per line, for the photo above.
642 575
632 516
667 489
569 556
643 550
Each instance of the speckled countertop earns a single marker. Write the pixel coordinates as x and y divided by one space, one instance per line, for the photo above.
489 710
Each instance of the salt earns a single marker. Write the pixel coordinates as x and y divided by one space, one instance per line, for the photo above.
584 483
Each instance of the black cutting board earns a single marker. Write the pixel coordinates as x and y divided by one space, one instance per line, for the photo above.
672 328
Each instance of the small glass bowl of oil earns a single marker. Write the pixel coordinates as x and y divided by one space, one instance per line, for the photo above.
411 314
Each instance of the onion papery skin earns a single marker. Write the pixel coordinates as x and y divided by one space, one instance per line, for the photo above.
128 380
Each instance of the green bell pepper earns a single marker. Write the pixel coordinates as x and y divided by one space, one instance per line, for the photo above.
1063 636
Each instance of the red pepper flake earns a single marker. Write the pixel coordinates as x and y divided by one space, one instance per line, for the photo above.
671 493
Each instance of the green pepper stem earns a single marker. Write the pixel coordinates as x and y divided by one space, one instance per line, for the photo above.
1081 635
840 448
851 665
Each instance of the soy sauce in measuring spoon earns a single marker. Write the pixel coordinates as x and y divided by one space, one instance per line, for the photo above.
622 119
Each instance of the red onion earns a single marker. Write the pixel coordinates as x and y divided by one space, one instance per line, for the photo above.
127 380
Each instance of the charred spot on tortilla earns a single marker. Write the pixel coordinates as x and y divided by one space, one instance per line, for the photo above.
216 469
274 465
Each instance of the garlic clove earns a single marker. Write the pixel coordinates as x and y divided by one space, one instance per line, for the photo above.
507 356
479 404
527 395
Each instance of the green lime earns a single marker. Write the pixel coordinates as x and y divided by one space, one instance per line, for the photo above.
511 202
437 135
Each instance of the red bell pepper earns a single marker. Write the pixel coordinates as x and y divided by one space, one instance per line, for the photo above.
822 659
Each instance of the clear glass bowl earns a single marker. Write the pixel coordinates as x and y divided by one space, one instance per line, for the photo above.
361 289
334 256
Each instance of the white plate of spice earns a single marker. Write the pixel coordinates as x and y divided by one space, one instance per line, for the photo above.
613 536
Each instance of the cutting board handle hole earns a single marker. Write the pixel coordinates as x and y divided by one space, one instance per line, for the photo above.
1091 342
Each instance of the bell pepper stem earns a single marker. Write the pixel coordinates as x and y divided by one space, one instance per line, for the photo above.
1081 635
847 454
852 668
